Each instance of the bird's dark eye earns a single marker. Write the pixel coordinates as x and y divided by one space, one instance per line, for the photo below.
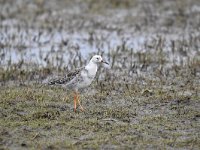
97 58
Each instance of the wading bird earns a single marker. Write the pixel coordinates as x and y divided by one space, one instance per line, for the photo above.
79 78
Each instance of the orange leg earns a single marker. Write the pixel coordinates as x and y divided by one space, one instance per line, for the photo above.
75 99
80 103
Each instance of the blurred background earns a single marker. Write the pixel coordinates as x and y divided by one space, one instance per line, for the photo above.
64 34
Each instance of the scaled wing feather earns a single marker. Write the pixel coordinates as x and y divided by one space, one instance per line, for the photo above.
64 80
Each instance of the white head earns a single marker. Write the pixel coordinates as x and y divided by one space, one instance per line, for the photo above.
97 59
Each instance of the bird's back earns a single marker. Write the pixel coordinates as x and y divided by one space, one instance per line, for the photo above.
67 79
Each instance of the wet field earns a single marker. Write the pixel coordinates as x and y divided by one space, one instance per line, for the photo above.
147 98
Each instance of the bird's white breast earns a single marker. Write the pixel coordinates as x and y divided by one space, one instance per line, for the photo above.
88 74
91 69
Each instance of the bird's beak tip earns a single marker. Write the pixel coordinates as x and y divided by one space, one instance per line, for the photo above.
105 62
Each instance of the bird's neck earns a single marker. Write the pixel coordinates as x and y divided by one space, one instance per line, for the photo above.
92 68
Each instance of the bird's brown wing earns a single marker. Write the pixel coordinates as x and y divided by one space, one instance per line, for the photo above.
64 80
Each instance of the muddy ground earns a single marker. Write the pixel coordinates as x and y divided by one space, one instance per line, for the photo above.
147 98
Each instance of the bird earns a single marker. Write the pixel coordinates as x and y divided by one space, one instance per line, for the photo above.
79 78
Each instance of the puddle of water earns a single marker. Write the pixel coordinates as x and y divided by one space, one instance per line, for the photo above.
91 33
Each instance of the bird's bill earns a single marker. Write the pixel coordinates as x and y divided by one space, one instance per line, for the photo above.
105 62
